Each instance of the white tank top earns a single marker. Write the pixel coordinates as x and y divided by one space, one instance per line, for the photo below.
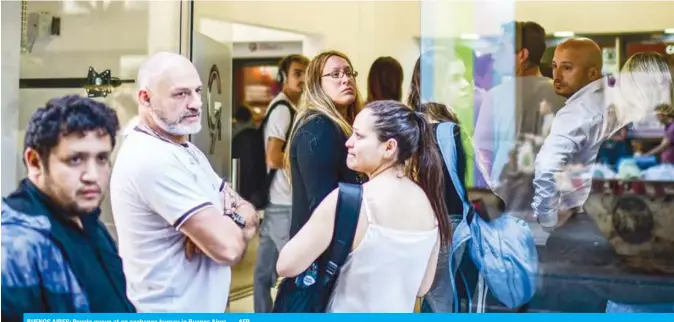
384 273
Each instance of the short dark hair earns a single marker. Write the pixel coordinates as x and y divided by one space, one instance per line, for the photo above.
532 38
284 64
64 116
527 35
242 114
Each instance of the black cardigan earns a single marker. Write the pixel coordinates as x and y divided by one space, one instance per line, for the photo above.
318 165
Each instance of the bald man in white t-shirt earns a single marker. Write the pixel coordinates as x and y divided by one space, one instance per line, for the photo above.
165 197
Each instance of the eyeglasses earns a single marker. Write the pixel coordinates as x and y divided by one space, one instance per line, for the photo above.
338 74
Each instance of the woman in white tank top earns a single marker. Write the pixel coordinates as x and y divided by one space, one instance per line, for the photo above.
402 219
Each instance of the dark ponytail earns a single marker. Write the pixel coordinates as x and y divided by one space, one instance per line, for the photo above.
427 166
416 142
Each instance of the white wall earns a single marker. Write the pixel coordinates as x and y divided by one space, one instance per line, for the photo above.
118 36
364 30
249 33
454 17
598 16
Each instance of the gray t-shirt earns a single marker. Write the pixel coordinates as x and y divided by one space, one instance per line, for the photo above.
156 186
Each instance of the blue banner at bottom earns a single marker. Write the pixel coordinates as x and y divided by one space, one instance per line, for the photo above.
249 317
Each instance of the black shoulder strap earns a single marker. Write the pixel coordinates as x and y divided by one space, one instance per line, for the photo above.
271 109
346 220
290 126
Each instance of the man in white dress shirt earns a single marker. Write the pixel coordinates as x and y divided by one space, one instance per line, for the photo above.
594 110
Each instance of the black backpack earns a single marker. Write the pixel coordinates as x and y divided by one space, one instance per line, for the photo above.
310 291
254 170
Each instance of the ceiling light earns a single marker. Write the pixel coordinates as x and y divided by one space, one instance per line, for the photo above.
564 34
669 31
470 36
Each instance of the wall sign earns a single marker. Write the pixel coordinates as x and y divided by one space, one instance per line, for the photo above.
266 49
669 49
214 108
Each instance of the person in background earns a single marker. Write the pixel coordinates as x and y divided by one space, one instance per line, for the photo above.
644 85
385 80
511 119
402 220
596 109
577 65
483 75
180 226
276 223
665 115
57 256
588 119
244 136
484 72
243 120
453 90
317 156
617 147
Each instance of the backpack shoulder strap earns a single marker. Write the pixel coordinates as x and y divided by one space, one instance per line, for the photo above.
268 114
447 142
271 109
346 220
292 121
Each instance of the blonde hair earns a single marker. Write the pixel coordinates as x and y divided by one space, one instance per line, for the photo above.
315 102
644 83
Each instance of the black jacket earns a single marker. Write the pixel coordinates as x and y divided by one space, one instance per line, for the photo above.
318 165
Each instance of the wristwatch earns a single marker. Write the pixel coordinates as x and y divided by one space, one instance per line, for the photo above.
238 220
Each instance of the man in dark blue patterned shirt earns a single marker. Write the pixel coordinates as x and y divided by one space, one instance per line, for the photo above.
56 254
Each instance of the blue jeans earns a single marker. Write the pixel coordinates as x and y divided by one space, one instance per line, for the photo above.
274 234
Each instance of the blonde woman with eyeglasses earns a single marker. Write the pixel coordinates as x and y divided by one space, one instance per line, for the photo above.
316 157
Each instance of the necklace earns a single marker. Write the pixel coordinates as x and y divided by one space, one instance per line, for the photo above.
193 157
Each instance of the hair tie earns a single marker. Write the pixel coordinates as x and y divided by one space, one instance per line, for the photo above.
419 117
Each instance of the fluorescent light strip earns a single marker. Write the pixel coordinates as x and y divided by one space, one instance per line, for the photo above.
470 36
669 31
564 34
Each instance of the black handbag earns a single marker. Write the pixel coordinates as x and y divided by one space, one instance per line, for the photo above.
310 291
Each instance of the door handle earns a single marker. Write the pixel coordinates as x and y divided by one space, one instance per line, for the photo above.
235 174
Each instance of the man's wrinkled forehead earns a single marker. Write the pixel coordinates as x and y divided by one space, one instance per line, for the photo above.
178 76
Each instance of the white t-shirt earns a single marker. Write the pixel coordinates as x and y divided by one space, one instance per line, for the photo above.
156 185
277 126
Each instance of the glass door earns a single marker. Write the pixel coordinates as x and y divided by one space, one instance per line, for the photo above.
211 52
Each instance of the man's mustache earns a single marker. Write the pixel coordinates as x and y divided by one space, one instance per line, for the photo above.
186 115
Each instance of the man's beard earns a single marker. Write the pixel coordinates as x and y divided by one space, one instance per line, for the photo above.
174 128
70 207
